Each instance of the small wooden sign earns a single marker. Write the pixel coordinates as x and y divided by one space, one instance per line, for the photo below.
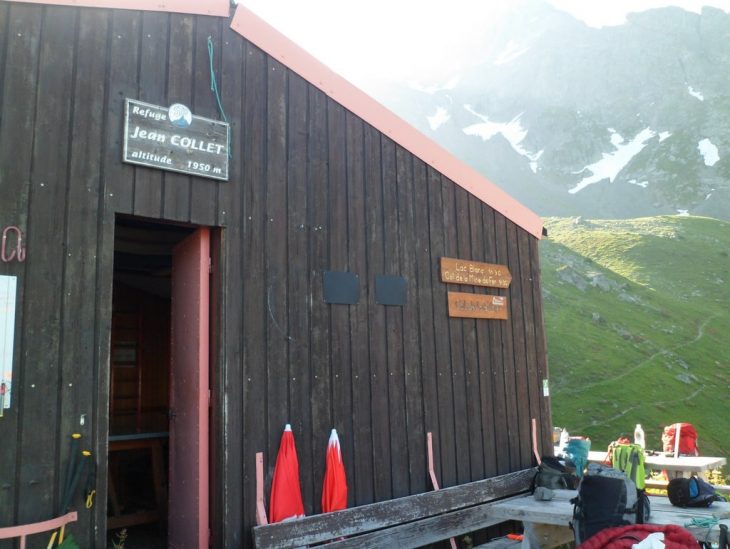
463 305
460 271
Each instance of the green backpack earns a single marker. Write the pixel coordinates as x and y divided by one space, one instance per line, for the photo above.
629 459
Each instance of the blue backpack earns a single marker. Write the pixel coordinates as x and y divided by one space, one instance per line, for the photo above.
692 492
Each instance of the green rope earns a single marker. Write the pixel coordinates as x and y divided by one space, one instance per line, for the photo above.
709 523
214 89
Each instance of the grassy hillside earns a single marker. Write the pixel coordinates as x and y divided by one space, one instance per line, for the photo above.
637 314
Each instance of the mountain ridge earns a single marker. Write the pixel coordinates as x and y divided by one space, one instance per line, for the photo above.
629 106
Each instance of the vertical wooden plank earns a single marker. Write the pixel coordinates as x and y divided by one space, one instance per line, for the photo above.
360 360
508 357
425 302
152 82
5 26
485 366
446 436
275 259
496 355
394 326
517 323
540 344
123 83
319 261
456 341
21 43
39 393
79 375
300 387
342 377
379 381
414 391
255 422
176 187
528 306
471 397
204 191
229 519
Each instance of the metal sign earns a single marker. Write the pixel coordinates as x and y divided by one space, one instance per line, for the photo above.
461 271
174 139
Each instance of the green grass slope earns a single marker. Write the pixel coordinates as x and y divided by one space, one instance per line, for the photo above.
637 314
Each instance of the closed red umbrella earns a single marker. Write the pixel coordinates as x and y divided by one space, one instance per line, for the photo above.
286 494
334 488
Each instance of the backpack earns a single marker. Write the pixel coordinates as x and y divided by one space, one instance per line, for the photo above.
606 498
687 439
629 459
552 474
692 492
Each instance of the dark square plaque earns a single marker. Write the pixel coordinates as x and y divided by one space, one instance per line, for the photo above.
341 287
390 290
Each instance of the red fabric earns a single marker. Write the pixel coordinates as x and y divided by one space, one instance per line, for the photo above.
623 537
286 494
334 487
687 439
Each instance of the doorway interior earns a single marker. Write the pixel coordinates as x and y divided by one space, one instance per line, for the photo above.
158 383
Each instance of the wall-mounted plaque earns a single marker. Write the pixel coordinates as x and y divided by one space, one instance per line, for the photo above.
341 287
475 273
390 290
463 305
174 139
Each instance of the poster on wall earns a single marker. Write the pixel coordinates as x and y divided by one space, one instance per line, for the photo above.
8 288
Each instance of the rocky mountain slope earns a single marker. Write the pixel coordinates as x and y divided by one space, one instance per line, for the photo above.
618 122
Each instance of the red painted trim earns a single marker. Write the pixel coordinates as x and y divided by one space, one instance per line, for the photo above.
37 527
219 8
266 37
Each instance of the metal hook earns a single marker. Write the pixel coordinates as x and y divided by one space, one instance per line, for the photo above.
18 252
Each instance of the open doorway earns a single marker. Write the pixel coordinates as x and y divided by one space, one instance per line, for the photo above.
159 380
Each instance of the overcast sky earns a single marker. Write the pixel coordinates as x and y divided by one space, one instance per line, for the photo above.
361 40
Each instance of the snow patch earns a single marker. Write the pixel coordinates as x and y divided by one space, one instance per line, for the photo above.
612 163
664 135
709 152
643 184
512 131
511 52
683 213
440 117
696 94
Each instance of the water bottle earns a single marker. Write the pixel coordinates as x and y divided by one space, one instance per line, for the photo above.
564 438
639 436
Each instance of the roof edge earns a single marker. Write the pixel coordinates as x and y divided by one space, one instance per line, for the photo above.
220 8
262 34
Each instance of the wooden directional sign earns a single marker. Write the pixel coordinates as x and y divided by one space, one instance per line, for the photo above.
172 138
460 271
463 305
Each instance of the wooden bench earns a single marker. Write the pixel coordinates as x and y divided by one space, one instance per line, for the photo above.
410 521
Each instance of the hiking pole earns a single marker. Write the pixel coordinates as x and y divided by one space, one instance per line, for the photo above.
85 454
70 466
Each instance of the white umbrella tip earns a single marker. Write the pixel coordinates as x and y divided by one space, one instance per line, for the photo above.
287 427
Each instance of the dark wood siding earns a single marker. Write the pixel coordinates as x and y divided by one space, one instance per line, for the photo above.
312 188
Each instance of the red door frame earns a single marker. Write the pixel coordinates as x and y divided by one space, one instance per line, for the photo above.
188 521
